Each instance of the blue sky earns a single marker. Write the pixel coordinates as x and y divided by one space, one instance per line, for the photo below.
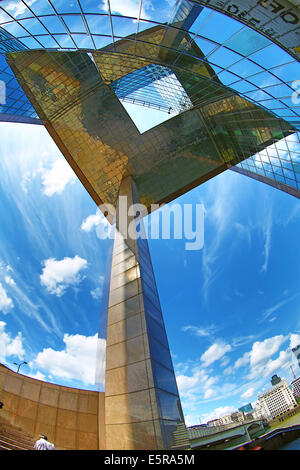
234 305
231 309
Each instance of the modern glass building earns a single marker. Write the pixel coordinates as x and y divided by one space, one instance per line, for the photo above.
224 76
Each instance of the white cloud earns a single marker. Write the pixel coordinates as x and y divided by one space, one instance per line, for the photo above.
267 313
242 340
36 310
228 371
9 280
77 361
242 361
215 352
96 293
294 214
15 7
197 383
218 413
248 393
219 215
98 221
4 274
92 221
225 361
191 420
186 383
10 346
294 340
129 7
267 230
57 177
54 179
260 358
59 274
26 179
271 366
209 393
198 387
6 303
282 361
198 331
29 175
37 375
263 350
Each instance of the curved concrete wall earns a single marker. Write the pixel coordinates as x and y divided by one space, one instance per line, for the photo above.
68 416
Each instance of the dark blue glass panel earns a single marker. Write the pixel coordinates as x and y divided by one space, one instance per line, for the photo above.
159 352
151 310
169 406
164 378
16 102
148 292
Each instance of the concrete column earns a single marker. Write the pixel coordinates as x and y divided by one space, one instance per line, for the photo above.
142 405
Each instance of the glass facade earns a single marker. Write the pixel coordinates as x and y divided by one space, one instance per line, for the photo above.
169 406
101 142
277 165
186 53
14 104
155 86
278 21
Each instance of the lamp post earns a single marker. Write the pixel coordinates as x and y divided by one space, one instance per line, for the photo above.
19 365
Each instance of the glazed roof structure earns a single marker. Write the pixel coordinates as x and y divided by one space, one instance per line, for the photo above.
171 56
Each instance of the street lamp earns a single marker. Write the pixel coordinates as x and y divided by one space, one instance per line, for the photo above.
19 365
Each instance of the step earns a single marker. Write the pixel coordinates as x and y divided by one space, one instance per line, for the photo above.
16 436
2 447
11 446
12 437
10 440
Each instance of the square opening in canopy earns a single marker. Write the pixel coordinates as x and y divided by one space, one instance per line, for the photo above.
151 95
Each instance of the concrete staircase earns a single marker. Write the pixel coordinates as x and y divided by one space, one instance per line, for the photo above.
14 438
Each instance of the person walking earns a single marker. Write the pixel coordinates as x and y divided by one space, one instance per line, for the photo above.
43 444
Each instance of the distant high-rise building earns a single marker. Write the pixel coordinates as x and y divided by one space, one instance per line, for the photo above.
258 411
277 400
275 380
295 384
246 408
